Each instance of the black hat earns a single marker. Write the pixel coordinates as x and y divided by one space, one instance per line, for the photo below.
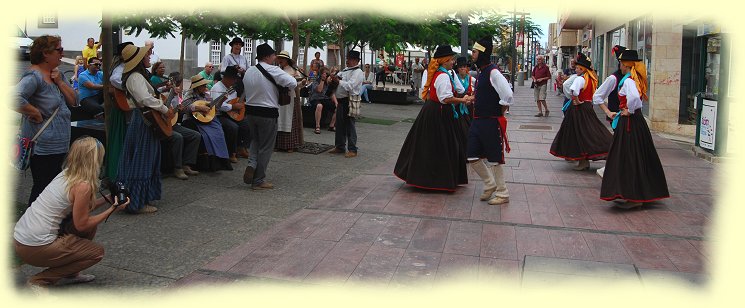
353 54
461 61
120 47
617 50
484 45
264 50
443 51
231 72
584 61
236 40
629 55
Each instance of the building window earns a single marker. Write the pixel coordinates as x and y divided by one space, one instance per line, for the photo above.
48 20
216 52
301 58
248 48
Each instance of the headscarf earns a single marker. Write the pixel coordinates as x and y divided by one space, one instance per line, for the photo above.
431 69
639 75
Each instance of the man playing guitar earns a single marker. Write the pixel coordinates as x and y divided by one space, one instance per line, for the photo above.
236 132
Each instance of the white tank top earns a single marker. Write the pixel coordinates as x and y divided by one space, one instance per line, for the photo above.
39 224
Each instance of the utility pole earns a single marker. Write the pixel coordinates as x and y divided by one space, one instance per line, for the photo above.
464 34
514 48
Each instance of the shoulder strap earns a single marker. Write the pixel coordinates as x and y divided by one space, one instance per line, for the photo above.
266 74
45 125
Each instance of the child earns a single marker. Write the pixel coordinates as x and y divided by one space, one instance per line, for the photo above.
79 68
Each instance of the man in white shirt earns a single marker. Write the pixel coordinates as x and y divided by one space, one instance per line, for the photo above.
416 75
350 80
153 56
236 133
262 100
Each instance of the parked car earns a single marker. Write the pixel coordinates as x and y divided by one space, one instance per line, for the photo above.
24 44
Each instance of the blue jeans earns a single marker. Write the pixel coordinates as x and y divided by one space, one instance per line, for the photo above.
363 92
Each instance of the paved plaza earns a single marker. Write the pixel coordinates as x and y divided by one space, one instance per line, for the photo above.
336 221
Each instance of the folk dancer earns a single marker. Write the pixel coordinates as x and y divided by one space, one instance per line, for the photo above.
350 81
609 90
633 170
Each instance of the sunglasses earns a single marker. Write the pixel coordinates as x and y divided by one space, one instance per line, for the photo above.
61 50
96 64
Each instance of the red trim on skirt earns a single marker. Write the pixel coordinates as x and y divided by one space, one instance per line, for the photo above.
632 200
423 187
586 157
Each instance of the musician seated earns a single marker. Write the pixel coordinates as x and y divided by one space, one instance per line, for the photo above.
158 80
236 132
213 151
90 92
184 142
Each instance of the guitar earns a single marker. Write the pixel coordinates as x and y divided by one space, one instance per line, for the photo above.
235 113
161 123
167 102
207 117
120 97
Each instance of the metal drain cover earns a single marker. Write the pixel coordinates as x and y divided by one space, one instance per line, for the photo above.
537 127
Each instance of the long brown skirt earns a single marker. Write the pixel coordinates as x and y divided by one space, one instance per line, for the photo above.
581 136
293 139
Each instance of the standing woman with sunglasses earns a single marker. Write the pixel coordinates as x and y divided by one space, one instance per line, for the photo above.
42 92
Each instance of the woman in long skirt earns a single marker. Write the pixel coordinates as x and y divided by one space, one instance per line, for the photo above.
213 151
582 136
633 171
139 163
289 123
430 157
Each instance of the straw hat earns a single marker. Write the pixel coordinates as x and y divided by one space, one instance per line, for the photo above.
196 81
133 55
285 54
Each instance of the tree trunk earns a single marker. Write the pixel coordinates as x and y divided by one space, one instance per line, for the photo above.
108 54
181 59
306 66
295 38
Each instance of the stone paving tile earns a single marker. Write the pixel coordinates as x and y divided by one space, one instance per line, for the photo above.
296 261
464 238
639 221
453 266
301 224
377 199
334 228
533 242
542 209
608 218
570 245
498 242
507 270
645 253
460 203
429 208
606 248
403 202
670 223
481 210
702 248
199 279
231 257
430 235
366 228
270 252
339 263
515 212
659 278
378 265
417 268
578 267
398 232
684 256
698 224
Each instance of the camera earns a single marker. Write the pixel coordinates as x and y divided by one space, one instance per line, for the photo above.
116 189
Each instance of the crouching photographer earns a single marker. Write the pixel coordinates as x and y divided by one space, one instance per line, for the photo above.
41 237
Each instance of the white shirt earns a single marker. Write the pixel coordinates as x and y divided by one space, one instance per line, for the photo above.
260 91
116 76
414 68
350 83
39 224
567 85
500 84
577 86
370 77
629 90
233 59
458 87
443 87
604 90
142 93
218 89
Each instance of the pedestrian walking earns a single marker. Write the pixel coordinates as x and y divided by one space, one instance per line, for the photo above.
633 170
430 156
540 75
487 136
261 84
582 137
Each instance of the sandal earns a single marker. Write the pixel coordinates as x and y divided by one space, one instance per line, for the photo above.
317 131
332 129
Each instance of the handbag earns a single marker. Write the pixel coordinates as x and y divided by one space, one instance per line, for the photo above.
305 91
284 93
532 84
355 104
24 147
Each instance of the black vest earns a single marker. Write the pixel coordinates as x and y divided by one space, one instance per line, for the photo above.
486 104
613 101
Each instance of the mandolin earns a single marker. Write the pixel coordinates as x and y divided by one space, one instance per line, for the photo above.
207 117
237 114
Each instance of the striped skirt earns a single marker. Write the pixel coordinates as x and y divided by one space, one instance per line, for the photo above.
139 163
293 139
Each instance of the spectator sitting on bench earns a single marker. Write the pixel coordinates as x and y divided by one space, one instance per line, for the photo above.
91 85
322 96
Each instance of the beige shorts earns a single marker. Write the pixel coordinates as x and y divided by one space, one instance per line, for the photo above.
539 92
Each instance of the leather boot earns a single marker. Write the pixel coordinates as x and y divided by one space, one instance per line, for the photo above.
501 194
179 174
242 152
188 171
489 185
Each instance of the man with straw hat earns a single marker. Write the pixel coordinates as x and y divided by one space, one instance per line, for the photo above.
633 170
262 99
289 123
487 137
212 133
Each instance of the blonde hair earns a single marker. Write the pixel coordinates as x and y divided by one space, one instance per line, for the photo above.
638 72
83 164
78 59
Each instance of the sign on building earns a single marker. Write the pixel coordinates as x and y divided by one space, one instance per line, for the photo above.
708 129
